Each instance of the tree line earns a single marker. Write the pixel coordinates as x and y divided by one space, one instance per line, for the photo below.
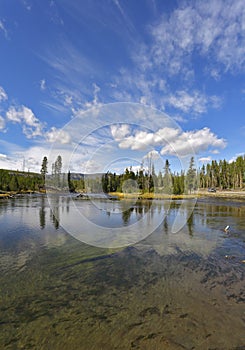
17 181
20 181
221 175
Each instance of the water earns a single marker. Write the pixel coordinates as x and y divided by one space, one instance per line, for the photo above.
180 290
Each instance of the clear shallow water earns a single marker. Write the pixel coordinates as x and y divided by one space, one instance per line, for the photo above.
180 290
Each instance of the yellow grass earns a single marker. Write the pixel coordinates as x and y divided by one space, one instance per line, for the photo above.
149 196
198 194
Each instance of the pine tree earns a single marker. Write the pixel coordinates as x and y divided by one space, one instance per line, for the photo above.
167 178
191 178
44 168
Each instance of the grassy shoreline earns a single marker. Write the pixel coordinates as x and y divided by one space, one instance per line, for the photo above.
232 194
198 194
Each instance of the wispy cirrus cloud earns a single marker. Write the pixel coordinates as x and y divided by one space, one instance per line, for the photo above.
211 32
210 28
3 29
2 123
3 94
73 84
43 85
195 102
27 4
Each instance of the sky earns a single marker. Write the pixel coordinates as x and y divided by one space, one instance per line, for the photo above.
106 83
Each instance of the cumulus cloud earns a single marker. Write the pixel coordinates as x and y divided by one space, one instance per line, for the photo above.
58 135
233 159
3 156
3 95
31 125
152 155
119 132
171 141
198 140
91 166
143 139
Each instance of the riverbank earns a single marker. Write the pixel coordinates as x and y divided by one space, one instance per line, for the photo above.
197 194
232 194
12 194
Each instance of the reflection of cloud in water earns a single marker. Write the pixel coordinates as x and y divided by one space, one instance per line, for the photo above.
195 237
25 229
173 243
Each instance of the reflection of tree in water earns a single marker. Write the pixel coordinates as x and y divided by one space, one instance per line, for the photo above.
190 224
42 214
55 213
3 206
165 224
140 208
126 215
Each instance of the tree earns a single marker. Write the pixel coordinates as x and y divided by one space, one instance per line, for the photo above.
58 165
70 182
44 168
191 179
13 184
167 178
57 171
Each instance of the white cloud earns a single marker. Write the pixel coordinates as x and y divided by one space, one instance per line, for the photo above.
172 141
3 29
214 151
58 135
211 32
119 132
43 84
27 5
153 155
215 74
91 167
179 119
68 100
31 125
205 159
197 140
143 139
196 102
95 102
2 123
233 159
3 95
211 29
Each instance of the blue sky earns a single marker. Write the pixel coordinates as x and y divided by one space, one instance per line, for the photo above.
61 58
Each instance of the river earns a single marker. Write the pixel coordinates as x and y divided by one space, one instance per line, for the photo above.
168 290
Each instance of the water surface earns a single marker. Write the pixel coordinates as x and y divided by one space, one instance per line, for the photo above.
180 290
